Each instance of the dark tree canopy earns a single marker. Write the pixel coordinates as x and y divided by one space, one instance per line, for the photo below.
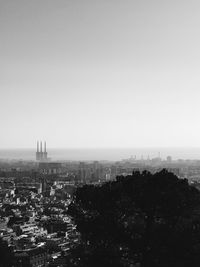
6 255
145 219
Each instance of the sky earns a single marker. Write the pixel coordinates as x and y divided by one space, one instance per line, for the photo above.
99 73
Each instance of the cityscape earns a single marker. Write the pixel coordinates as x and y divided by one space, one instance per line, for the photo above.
35 196
100 133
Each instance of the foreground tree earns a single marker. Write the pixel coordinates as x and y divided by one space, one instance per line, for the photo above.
6 254
143 218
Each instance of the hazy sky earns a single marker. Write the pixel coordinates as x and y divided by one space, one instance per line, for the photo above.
99 73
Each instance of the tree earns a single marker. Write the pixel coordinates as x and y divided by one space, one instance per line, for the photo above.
150 219
6 254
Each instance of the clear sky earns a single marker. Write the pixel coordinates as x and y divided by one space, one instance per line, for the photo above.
99 73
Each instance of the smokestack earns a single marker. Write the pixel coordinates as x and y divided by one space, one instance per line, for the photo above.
37 146
45 147
40 146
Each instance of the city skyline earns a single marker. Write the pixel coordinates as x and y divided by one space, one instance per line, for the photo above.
98 74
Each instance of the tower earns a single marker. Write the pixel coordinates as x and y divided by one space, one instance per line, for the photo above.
45 152
41 153
37 152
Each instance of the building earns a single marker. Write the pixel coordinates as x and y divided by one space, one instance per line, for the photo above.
50 167
35 257
40 154
29 186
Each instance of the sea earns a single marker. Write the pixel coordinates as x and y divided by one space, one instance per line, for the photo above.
100 154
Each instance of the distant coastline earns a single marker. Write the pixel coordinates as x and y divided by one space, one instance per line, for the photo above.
111 154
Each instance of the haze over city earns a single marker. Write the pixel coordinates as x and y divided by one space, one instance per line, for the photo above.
97 74
100 133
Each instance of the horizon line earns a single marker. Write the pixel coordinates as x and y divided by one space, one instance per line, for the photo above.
99 148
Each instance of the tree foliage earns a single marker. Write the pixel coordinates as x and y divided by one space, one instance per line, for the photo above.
143 218
6 254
